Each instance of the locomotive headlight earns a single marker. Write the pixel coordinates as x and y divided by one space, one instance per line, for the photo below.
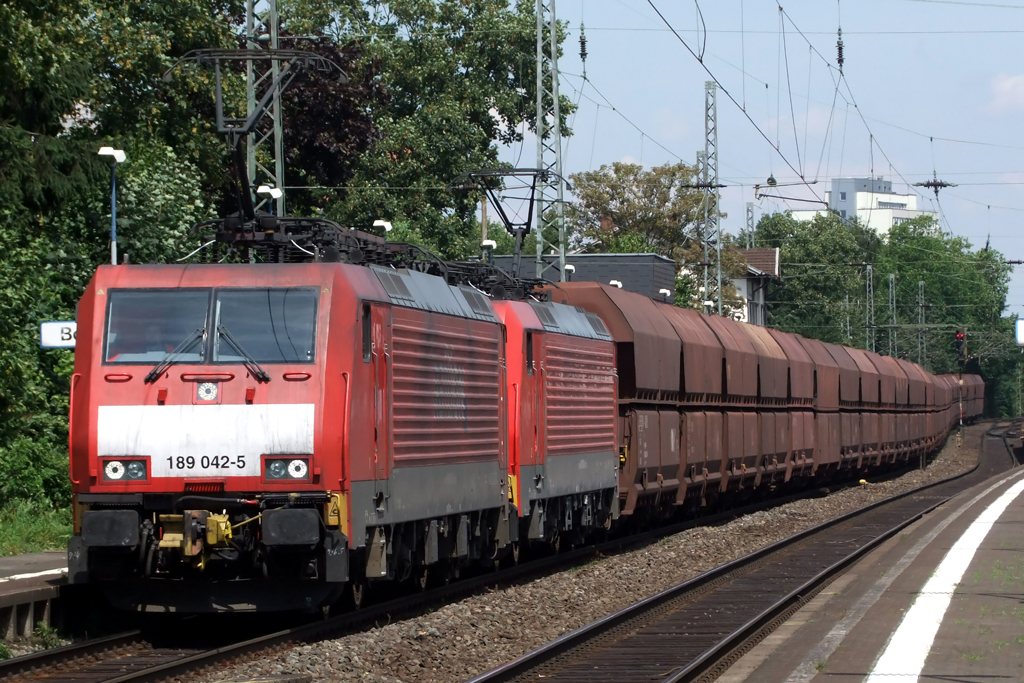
136 469
125 470
276 469
206 391
297 469
114 470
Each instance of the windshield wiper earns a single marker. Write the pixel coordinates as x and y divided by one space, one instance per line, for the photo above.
254 368
172 357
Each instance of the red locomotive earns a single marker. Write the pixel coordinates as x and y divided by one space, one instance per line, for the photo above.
264 436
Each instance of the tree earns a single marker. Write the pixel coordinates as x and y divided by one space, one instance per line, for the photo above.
624 208
823 263
818 261
459 75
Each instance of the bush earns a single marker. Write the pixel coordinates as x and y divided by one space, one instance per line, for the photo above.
32 526
34 471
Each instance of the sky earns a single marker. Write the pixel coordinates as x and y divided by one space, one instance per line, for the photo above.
929 87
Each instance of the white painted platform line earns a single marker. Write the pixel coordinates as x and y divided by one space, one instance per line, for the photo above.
905 654
808 669
33 575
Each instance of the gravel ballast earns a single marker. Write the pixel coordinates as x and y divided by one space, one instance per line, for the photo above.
477 633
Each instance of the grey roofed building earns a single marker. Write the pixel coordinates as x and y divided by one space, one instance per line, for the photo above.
648 274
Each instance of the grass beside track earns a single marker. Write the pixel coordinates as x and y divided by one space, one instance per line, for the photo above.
30 526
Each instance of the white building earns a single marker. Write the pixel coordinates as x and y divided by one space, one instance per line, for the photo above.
762 270
872 201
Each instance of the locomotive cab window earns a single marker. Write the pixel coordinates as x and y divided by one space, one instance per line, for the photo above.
143 326
270 325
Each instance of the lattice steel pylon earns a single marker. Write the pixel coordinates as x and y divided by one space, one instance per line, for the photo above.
709 180
893 342
750 225
262 27
869 309
922 353
550 189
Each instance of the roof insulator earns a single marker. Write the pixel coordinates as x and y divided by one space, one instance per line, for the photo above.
839 50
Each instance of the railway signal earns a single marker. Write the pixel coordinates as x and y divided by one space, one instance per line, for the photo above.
961 346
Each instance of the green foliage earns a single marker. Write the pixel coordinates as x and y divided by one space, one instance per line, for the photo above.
823 263
624 208
459 74
627 209
34 471
160 197
76 73
46 637
33 526
5 652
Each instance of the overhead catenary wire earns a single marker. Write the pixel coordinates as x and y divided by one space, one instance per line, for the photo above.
608 105
789 88
728 94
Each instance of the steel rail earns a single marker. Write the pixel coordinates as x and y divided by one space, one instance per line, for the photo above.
520 668
67 653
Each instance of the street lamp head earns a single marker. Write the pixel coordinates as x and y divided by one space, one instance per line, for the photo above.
570 268
381 223
489 244
267 191
116 155
615 283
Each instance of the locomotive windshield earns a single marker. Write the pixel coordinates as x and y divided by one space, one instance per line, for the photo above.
143 326
271 325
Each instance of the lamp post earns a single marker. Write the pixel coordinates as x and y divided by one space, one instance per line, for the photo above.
116 156
269 193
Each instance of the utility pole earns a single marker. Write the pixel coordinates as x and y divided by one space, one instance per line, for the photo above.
921 354
849 335
483 218
750 225
893 350
262 32
550 188
869 310
709 178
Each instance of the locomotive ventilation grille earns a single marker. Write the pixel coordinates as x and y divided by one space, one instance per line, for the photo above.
579 383
446 387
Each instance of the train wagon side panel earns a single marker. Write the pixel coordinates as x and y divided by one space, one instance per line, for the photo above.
446 418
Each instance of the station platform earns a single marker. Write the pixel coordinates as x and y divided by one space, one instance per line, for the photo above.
30 586
943 600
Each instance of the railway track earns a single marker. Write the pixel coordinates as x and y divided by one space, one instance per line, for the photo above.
695 630
132 657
